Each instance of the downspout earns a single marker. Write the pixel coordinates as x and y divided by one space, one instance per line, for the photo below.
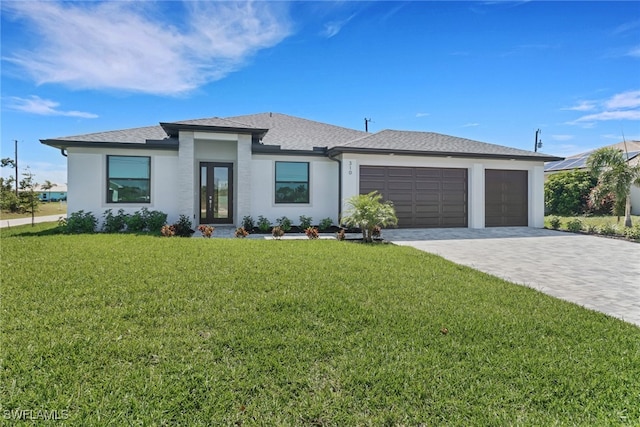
339 187
62 152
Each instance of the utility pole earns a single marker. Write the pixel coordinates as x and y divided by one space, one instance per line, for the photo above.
538 144
366 124
15 141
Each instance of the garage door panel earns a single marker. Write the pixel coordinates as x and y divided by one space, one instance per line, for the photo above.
423 197
506 198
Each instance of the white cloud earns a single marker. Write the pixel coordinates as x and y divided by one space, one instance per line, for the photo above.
630 99
634 52
467 125
562 137
582 106
333 28
126 46
44 107
610 115
422 114
621 106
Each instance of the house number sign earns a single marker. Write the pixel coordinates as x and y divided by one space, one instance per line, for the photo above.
350 171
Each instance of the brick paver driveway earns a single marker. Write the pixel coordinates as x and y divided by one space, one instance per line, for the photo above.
595 272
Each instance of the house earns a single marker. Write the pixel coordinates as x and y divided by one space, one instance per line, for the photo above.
579 162
58 192
218 170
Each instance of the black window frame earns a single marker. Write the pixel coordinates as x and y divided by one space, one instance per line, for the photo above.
109 178
307 183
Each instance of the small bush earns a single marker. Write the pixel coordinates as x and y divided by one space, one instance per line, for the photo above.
155 221
247 223
325 223
284 223
277 232
574 225
311 232
81 222
168 230
241 232
136 222
340 235
206 230
114 223
183 227
632 233
591 228
263 224
608 230
305 222
555 222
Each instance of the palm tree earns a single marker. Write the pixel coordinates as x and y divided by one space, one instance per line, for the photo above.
47 186
368 212
615 175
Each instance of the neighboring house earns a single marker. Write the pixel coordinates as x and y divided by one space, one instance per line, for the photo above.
579 162
217 170
54 194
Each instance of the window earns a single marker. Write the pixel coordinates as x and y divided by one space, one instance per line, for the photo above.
292 182
128 179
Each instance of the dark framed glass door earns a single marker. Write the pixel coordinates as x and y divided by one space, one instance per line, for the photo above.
216 193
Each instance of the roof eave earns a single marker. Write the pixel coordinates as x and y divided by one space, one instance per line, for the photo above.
149 145
337 150
172 129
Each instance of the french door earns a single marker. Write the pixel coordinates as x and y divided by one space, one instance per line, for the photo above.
216 193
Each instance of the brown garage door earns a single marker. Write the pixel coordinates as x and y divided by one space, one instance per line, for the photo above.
423 197
506 199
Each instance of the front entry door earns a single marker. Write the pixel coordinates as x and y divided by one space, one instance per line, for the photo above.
216 193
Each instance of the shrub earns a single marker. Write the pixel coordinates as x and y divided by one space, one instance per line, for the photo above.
305 222
114 223
247 223
155 221
567 193
591 228
81 222
241 232
555 222
284 223
632 233
183 227
263 224
206 230
136 222
311 232
325 223
168 230
574 225
340 235
277 232
367 211
608 230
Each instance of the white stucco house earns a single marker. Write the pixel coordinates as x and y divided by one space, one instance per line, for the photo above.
218 170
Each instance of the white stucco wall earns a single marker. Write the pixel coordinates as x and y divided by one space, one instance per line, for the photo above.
635 200
87 177
476 173
323 189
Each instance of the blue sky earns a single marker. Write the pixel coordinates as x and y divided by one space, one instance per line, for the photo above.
490 71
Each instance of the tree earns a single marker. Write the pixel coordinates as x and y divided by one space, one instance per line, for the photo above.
367 212
29 199
47 186
615 175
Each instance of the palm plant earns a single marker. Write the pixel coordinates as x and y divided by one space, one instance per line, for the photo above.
615 175
367 212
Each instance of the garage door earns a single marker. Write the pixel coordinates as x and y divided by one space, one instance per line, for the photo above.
506 198
423 197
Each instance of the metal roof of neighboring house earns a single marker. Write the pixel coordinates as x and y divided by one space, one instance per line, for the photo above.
436 144
283 132
579 161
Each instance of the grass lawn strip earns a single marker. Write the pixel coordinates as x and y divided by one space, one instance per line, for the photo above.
125 329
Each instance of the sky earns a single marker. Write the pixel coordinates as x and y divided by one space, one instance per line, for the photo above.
492 71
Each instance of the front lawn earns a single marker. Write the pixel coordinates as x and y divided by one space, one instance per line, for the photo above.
44 209
142 330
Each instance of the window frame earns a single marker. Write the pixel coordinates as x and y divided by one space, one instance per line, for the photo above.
307 182
108 179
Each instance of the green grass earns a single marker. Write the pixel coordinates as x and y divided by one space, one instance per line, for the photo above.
140 330
44 209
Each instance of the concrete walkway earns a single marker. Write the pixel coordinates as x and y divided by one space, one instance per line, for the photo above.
595 272
25 221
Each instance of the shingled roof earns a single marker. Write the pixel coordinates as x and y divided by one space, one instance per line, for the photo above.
425 143
283 132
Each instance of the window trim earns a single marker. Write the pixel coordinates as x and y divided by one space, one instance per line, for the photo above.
307 182
107 179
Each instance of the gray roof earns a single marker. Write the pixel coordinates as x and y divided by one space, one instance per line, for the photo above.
434 143
294 133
